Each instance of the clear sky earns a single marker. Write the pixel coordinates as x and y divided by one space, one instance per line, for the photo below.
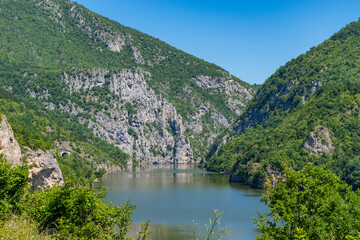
250 39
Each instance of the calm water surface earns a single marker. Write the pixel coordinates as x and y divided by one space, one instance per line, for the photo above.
173 196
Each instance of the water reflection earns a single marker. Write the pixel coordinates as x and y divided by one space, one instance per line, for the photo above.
173 196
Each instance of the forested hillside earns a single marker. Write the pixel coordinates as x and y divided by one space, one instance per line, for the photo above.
150 100
308 111
36 127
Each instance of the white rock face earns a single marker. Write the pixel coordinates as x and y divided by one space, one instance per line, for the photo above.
44 169
152 133
137 55
8 144
235 93
155 131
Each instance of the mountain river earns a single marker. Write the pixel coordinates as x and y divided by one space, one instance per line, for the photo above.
175 196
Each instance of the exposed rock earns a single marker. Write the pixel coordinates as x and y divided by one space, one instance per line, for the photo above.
109 168
209 121
273 177
183 151
255 175
44 169
235 93
8 144
151 132
54 10
114 40
310 91
137 55
319 141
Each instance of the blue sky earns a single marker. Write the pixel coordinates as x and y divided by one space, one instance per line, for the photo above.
250 39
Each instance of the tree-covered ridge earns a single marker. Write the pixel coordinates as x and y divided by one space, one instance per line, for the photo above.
297 81
318 89
57 34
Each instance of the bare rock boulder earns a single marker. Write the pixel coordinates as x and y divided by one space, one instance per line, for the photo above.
8 144
44 169
319 141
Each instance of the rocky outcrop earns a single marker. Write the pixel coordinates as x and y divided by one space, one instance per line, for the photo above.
114 40
236 95
44 169
174 81
255 175
108 168
52 8
319 141
8 144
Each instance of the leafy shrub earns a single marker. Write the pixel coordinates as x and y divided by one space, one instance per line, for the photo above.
77 212
13 182
312 201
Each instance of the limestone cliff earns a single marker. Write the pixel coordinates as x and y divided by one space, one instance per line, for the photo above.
8 144
141 123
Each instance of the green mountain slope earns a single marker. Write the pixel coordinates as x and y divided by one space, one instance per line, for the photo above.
149 99
35 127
307 111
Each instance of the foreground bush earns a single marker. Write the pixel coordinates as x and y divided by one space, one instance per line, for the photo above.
13 182
71 211
310 204
78 212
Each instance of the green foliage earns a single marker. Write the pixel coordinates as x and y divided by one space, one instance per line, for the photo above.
13 181
310 204
144 231
214 230
99 174
356 237
132 133
77 212
155 151
71 211
38 128
130 108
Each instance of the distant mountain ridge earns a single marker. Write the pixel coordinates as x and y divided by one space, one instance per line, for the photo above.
154 102
308 110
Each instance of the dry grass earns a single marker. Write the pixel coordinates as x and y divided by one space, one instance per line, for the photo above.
20 228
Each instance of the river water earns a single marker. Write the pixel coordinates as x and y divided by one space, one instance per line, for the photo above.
173 196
